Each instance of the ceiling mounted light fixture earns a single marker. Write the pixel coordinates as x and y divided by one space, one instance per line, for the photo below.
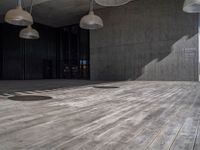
112 2
29 32
18 16
191 6
91 21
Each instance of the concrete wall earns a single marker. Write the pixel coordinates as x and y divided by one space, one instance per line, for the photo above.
145 40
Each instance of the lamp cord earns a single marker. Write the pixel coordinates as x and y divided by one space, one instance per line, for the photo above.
31 8
91 5
20 2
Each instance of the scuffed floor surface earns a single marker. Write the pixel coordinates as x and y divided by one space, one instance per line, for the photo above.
81 115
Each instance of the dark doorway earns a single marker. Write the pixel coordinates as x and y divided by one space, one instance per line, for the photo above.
74 53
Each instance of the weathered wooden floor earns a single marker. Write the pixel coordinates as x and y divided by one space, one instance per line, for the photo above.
135 116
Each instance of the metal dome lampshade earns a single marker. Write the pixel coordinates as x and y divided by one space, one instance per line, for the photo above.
18 16
91 21
112 2
29 33
191 6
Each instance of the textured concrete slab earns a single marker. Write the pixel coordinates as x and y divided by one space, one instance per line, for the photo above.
54 13
134 116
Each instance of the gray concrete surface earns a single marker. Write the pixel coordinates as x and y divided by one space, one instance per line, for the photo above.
55 13
134 116
146 40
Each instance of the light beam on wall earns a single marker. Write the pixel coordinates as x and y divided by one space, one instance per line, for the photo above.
191 6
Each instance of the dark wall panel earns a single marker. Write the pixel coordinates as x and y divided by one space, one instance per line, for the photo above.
12 67
27 59
59 53
40 55
1 51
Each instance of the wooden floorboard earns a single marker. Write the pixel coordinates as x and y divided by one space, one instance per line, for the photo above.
84 115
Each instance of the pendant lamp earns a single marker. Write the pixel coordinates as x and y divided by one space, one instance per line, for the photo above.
191 6
18 16
29 32
91 21
112 2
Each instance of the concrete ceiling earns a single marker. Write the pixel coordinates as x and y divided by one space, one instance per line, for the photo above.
9 4
54 13
61 12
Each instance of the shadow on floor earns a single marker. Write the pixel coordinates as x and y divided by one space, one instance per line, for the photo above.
29 98
36 87
105 87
